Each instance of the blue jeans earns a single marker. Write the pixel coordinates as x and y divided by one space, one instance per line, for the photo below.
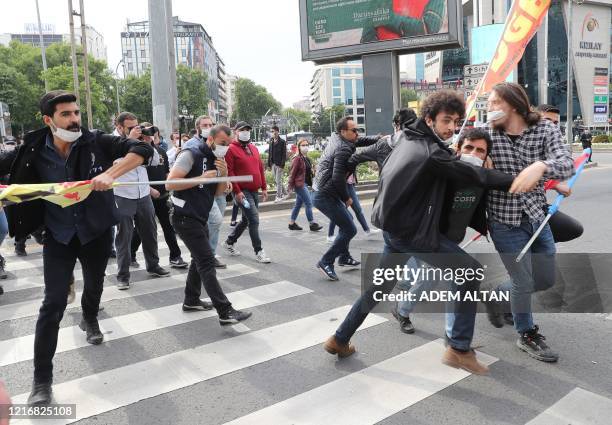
302 196
3 226
358 212
460 326
250 219
532 274
334 209
215 220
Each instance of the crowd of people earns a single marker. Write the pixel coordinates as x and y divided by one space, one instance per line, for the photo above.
502 166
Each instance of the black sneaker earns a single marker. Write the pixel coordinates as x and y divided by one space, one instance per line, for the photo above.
134 264
178 263
404 322
532 342
1 290
94 336
294 226
328 271
199 305
3 273
349 262
113 254
123 283
315 227
233 316
494 313
20 251
158 271
219 264
41 394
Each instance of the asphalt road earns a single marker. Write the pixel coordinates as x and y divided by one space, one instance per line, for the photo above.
160 365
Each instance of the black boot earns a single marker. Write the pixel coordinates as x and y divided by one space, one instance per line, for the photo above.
92 329
41 394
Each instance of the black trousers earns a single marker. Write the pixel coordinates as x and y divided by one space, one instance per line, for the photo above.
162 212
202 268
58 267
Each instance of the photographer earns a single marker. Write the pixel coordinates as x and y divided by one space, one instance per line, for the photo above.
135 204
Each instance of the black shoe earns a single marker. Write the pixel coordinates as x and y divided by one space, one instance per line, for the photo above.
404 322
178 263
494 313
349 262
233 316
1 290
3 273
113 254
294 226
219 264
123 283
315 227
532 342
94 336
158 271
41 394
199 305
39 237
134 264
328 271
20 251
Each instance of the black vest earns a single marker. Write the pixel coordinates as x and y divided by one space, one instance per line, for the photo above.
197 201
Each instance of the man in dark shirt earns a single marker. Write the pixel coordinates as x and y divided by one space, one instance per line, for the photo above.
277 157
586 138
192 204
65 152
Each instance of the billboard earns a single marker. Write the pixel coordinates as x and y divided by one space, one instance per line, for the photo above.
335 30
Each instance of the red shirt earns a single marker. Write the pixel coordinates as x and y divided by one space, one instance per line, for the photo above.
241 163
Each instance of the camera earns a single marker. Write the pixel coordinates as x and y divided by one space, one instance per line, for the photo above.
149 131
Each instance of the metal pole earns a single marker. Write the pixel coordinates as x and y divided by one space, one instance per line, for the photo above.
75 64
570 77
42 46
117 85
86 66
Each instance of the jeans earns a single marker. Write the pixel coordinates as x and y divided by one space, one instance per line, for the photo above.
532 274
142 210
162 211
3 226
58 268
235 210
302 196
334 209
250 219
461 323
215 220
202 270
358 212
277 171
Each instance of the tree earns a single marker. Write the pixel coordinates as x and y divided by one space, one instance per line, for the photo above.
324 122
253 101
137 97
301 118
406 96
191 88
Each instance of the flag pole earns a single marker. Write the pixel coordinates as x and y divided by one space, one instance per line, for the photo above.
209 180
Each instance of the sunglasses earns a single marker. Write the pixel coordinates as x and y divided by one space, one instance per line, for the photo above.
354 130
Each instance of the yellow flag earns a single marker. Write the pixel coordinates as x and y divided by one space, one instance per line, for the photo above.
62 194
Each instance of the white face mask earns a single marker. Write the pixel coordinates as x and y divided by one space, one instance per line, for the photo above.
204 133
220 151
65 135
471 159
495 115
244 136
304 150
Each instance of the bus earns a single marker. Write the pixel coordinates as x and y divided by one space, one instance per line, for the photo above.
293 138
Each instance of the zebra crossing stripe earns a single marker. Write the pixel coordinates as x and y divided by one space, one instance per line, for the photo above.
30 308
115 388
370 395
579 407
71 338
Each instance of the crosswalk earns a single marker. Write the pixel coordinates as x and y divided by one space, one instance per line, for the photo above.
366 394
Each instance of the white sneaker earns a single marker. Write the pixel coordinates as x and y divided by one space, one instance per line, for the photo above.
231 249
278 199
373 232
331 239
261 257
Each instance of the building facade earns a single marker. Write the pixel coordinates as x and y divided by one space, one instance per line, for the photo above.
339 84
230 92
193 47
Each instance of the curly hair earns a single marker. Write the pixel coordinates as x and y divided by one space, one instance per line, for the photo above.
449 101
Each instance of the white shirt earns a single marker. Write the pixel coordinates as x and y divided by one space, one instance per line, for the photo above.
138 174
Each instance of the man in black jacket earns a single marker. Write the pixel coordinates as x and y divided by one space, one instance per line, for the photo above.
411 196
65 152
277 157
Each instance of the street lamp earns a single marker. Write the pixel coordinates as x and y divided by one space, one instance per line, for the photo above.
117 84
570 73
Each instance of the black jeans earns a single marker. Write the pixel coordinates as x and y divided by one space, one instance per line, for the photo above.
250 219
202 268
58 266
162 211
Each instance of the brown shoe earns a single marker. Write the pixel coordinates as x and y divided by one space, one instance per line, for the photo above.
342 350
466 361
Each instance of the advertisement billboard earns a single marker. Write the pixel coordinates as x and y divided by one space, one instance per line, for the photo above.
335 30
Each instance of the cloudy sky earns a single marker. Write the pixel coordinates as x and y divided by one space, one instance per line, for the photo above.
259 40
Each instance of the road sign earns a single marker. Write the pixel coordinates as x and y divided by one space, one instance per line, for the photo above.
601 99
481 105
471 82
475 70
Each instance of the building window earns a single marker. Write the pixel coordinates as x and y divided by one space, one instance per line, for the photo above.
346 71
360 111
130 66
358 71
335 72
348 111
337 101
360 95
348 92
337 92
128 53
143 53
184 53
360 120
336 82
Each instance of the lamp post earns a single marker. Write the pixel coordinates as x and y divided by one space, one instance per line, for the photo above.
117 85
570 72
